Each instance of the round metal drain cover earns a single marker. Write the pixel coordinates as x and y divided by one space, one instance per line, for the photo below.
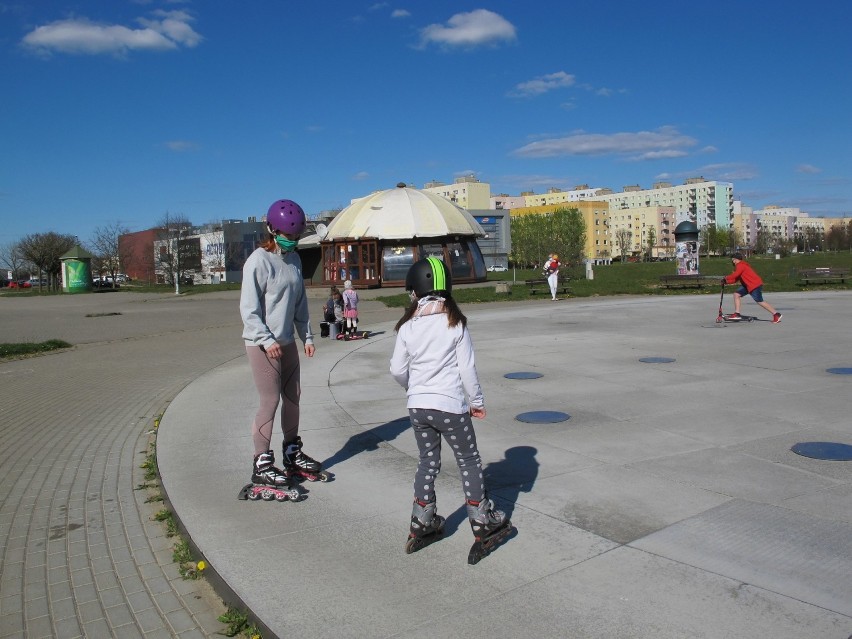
543 417
830 451
523 375
656 360
839 371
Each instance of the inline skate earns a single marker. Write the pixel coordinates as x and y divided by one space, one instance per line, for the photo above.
298 466
426 526
489 527
269 483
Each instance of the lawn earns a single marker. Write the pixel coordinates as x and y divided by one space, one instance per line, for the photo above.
643 278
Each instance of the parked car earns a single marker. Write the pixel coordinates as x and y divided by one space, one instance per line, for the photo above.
104 282
20 284
498 268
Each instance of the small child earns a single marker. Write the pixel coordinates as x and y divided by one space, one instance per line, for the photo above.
339 317
433 360
350 309
750 284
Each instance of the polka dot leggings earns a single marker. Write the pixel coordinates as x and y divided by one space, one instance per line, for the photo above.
457 430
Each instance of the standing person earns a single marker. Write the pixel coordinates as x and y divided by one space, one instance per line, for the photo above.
551 272
750 284
274 308
433 360
350 309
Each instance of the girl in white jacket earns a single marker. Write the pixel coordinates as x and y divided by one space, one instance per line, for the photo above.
433 360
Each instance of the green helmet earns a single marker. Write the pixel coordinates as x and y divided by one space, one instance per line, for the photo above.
429 275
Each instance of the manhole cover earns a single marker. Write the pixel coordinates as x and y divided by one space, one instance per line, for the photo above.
656 360
523 375
830 451
543 417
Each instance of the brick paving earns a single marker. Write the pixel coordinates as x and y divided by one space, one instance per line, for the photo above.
81 553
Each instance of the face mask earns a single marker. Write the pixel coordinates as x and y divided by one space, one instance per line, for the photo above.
286 245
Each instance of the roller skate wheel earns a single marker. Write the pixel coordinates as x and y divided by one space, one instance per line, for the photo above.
294 495
281 496
253 495
267 495
413 545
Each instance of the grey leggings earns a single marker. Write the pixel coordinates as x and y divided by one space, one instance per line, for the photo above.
276 380
457 430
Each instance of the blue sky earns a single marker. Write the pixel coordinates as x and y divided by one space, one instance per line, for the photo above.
130 110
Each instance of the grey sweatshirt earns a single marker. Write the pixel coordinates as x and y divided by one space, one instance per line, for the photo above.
435 364
273 302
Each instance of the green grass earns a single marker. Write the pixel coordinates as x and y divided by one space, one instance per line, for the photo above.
643 278
8 350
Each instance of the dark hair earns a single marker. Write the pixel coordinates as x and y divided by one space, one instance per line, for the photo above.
454 314
268 243
737 256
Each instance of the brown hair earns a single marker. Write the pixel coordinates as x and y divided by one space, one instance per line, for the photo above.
269 243
454 314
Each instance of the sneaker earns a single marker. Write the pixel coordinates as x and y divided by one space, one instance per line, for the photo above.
776 319
735 316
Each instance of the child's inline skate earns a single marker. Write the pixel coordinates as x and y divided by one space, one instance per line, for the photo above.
489 527
298 466
426 526
268 483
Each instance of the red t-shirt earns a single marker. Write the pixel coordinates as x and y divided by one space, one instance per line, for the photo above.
745 274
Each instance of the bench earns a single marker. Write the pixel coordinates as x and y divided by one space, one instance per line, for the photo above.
690 281
823 275
540 285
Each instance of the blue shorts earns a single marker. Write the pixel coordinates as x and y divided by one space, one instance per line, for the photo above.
756 294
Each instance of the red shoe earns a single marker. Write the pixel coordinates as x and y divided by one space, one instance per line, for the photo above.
776 319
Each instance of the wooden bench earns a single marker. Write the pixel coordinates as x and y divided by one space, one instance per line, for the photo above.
823 275
690 281
540 285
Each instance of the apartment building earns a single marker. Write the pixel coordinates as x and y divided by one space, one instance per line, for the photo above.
466 192
696 200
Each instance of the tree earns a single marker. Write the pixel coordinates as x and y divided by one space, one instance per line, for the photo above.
12 259
623 238
651 240
169 248
105 246
762 241
562 231
43 250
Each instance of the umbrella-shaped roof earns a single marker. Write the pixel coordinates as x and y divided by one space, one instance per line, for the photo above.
402 213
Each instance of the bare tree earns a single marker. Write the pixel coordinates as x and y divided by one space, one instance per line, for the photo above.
44 251
168 258
12 259
623 238
104 244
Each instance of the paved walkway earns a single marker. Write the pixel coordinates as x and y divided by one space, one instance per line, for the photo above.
668 505
81 553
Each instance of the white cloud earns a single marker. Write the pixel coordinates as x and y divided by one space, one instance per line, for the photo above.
543 84
808 168
400 13
166 31
181 146
723 172
665 142
361 175
479 27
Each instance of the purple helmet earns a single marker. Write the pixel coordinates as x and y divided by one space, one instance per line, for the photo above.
285 216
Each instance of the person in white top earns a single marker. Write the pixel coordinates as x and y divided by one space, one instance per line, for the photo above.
433 361
551 272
